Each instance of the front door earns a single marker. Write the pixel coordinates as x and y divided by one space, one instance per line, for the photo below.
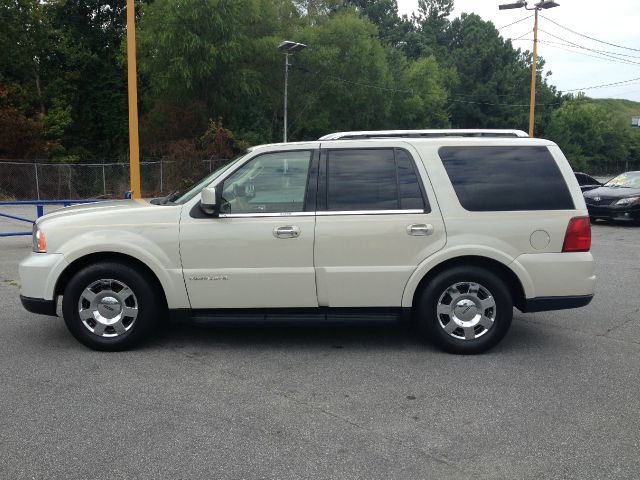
259 252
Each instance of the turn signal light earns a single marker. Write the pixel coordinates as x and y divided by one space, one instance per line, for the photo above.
39 242
578 236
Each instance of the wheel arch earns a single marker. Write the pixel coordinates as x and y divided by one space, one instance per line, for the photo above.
510 278
81 262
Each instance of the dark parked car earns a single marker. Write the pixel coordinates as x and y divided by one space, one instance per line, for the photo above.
587 182
618 199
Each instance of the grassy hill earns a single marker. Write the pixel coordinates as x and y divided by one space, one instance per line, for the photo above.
624 109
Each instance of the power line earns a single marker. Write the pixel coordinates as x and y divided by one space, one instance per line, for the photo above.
378 87
603 52
506 104
603 85
517 21
590 38
555 45
590 49
521 36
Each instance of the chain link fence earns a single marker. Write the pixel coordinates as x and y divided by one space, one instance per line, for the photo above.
20 180
41 180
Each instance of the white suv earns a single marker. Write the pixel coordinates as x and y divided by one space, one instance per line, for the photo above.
456 227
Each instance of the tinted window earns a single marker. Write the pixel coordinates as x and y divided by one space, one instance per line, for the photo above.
506 178
582 179
590 180
270 183
410 192
361 180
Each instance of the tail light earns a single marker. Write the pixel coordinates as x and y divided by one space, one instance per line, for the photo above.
578 236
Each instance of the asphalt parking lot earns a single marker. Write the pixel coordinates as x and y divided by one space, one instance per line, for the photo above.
558 398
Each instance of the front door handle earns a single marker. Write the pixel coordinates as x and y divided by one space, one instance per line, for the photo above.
420 229
290 231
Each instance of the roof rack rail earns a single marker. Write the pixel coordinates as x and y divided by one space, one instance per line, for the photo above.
362 135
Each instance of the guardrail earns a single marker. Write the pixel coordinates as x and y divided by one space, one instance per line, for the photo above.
39 204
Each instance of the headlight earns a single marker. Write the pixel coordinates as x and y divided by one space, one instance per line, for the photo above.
39 243
628 201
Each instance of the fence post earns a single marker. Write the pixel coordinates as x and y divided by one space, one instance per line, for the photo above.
104 182
35 166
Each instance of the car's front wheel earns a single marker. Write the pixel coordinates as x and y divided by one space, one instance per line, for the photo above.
465 310
110 306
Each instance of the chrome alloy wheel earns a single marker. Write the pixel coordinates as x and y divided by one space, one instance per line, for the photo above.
108 308
466 310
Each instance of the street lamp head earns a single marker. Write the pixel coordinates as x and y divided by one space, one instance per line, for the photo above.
291 47
509 6
547 4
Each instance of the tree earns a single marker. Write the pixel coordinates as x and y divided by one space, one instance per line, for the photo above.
589 136
492 87
342 81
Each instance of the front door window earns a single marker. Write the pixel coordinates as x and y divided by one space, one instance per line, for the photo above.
270 183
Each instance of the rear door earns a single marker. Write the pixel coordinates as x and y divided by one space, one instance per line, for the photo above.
377 219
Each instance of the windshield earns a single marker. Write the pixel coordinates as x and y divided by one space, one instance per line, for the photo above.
188 194
626 180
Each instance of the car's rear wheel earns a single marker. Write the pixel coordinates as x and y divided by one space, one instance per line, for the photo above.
465 310
110 306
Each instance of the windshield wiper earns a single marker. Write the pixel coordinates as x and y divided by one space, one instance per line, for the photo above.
167 199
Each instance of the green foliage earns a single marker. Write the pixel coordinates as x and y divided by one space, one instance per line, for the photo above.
594 137
331 81
63 83
492 87
425 104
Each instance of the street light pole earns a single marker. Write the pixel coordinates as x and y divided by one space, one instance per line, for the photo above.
543 4
286 88
288 47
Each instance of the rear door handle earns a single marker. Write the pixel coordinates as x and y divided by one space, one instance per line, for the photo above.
290 231
420 229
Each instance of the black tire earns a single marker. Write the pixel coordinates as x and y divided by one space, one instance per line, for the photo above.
433 326
150 307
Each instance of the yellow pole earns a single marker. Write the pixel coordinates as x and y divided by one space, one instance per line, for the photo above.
134 148
532 104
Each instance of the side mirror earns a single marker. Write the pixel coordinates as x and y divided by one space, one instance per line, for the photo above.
209 201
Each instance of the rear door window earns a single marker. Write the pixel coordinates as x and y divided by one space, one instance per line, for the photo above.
373 179
503 178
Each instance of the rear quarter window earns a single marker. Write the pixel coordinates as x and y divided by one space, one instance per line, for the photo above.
506 178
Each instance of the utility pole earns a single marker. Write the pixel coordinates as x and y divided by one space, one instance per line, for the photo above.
288 47
542 4
534 76
134 147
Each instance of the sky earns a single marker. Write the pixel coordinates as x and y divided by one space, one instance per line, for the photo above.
615 21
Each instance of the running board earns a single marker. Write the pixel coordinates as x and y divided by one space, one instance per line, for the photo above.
288 315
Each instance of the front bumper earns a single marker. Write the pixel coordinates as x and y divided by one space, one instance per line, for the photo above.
39 305
613 212
39 273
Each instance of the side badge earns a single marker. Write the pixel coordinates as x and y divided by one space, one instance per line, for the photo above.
198 278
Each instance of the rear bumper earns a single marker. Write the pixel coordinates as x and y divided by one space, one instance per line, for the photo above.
544 304
39 305
556 275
